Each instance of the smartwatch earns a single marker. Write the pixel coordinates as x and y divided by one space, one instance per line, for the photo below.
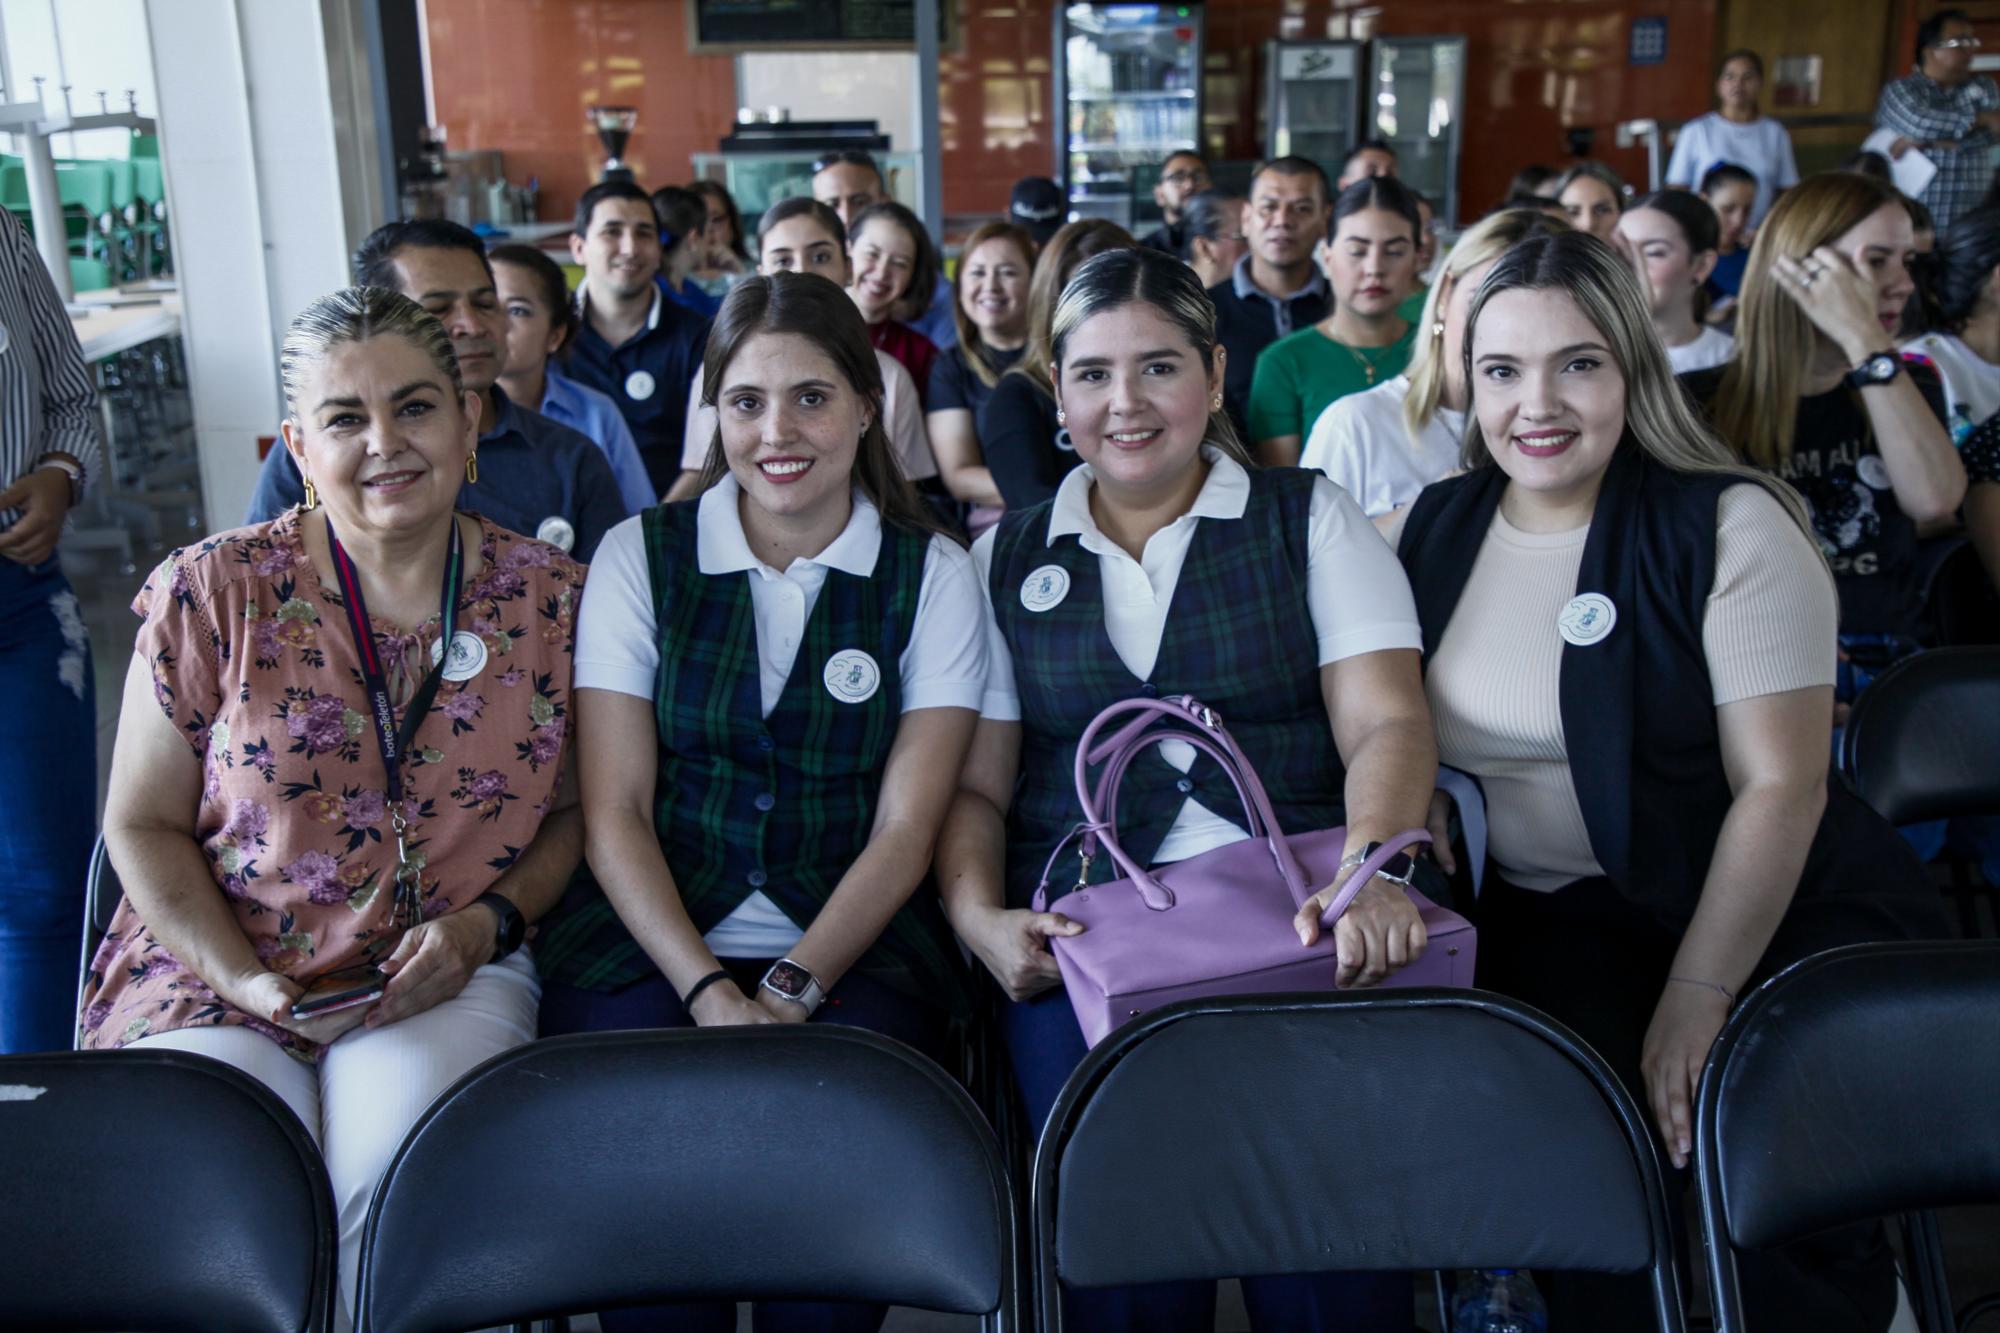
1877 369
1399 869
512 928
795 982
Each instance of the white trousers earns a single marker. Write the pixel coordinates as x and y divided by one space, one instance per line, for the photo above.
372 1084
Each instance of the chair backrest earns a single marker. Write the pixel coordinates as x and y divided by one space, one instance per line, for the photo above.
1923 741
1856 1084
631 1168
1964 609
1408 1129
158 1190
101 893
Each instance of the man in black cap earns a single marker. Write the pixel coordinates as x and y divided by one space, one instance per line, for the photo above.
1038 205
1182 174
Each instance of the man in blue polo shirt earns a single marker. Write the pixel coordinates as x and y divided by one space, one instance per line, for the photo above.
1277 288
535 477
632 344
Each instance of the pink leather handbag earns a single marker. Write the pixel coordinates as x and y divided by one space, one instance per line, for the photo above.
1219 923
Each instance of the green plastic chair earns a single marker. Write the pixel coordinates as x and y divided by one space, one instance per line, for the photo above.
89 275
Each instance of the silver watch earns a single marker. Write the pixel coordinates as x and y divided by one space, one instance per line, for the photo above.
795 982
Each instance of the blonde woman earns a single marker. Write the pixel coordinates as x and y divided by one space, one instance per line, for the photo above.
1818 396
1385 445
1629 639
990 312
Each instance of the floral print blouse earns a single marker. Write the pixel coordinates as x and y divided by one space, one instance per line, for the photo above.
253 661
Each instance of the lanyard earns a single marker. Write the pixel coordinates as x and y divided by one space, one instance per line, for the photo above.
395 745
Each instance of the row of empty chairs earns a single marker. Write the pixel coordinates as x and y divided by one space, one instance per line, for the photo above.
1215 1138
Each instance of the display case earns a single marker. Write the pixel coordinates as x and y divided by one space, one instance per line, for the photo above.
1416 102
1128 93
758 180
1312 101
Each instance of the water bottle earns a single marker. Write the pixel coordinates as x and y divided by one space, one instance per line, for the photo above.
1498 1300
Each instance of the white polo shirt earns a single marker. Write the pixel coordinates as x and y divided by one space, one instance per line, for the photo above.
944 664
1355 591
1360 441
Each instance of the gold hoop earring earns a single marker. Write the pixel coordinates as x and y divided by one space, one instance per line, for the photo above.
472 468
312 496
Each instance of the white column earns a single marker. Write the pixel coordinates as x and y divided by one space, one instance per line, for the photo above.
247 145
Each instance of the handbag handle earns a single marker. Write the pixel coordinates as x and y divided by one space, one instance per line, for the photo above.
1207 734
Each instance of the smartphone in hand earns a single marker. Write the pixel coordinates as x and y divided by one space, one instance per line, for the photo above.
343 988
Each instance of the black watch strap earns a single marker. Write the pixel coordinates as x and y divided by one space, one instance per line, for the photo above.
1879 368
512 929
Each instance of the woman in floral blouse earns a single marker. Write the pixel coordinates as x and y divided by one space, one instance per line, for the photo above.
268 832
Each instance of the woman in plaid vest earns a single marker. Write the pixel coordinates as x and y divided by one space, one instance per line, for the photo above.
782 672
1168 564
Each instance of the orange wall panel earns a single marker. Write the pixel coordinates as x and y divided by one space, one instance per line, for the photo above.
518 75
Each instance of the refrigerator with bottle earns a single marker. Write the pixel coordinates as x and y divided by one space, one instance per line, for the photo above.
1312 101
1128 93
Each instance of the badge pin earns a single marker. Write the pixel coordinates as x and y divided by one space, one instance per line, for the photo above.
1587 619
557 532
468 655
639 384
1873 471
852 676
1045 588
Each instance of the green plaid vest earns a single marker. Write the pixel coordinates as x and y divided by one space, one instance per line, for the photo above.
780 805
1239 637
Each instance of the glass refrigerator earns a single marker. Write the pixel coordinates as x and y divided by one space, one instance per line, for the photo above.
1128 93
1415 101
1312 101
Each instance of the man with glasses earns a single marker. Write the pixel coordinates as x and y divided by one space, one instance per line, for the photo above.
1182 174
1946 112
1276 288
847 181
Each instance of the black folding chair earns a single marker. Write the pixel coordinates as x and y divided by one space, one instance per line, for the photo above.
101 892
617 1169
1959 599
1367 1130
1923 742
1859 1083
158 1190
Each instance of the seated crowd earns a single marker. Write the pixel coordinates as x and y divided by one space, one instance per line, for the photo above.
870 546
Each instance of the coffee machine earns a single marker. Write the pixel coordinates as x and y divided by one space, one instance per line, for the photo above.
614 129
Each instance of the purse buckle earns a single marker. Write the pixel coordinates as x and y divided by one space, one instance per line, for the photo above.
1084 859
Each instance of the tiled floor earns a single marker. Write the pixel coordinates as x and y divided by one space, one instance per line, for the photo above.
1972 1236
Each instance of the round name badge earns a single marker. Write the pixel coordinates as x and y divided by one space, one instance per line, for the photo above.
852 676
1587 619
1873 471
1045 588
557 532
468 655
639 384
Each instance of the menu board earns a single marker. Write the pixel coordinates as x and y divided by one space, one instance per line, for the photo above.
807 23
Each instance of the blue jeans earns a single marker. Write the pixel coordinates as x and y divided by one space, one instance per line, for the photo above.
856 1000
1044 1044
48 793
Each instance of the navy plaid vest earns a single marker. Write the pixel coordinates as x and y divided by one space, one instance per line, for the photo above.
780 805
1239 637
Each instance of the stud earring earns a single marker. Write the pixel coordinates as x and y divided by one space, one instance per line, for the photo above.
312 496
1437 328
472 468
1216 404
1062 418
